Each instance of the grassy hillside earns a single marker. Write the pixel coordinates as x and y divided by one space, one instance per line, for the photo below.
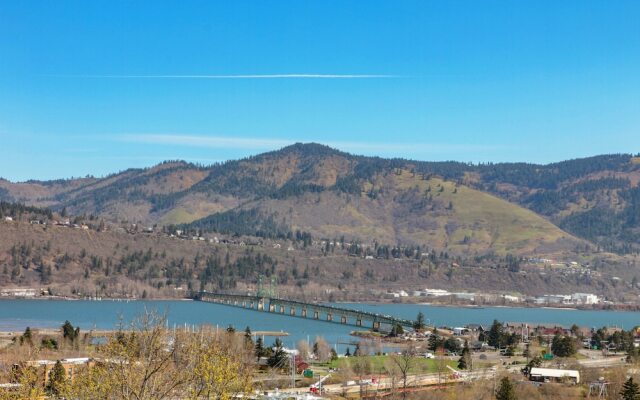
513 207
402 207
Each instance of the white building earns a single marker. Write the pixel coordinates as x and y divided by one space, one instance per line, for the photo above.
550 374
18 292
436 292
585 298
553 299
512 299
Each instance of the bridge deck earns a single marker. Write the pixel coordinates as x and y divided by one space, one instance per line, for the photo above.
347 316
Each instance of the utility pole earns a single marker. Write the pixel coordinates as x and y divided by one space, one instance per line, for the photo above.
293 371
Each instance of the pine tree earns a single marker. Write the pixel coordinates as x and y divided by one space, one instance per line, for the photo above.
68 332
247 336
630 390
419 322
27 337
506 390
259 348
356 352
57 379
465 359
434 340
496 334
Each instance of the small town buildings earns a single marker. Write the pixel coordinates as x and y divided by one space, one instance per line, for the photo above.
568 299
20 292
585 298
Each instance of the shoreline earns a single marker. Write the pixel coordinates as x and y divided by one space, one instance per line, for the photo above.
612 308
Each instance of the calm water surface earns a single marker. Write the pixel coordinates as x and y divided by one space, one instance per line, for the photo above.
16 315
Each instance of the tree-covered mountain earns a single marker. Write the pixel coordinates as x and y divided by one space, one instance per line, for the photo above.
311 188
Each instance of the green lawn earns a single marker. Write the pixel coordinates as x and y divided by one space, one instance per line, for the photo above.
420 364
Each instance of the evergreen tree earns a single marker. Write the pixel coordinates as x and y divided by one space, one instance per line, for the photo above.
57 379
465 359
27 337
419 323
68 332
563 346
279 357
259 348
496 335
247 336
630 390
356 352
348 353
434 340
506 390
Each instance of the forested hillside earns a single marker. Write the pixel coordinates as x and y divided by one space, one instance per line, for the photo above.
458 207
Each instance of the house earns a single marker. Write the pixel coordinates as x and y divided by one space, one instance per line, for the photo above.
458 331
554 375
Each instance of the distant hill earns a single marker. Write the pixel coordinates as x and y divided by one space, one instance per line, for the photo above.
462 208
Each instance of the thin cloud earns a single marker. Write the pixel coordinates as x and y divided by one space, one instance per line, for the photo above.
250 76
228 142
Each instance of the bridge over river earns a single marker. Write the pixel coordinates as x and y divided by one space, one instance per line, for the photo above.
321 312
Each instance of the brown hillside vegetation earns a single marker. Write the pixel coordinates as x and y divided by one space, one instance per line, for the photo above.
68 261
518 208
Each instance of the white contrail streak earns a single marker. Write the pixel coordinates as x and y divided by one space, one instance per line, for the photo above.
268 76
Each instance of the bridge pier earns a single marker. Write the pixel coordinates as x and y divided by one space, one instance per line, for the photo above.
272 307
358 322
329 317
252 306
261 305
281 309
376 325
343 319
293 311
316 314
244 304
303 313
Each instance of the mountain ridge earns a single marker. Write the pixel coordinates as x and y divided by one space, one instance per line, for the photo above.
579 197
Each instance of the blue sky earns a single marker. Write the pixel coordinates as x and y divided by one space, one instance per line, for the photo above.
93 87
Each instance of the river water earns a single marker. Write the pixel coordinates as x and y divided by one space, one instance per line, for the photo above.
16 315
